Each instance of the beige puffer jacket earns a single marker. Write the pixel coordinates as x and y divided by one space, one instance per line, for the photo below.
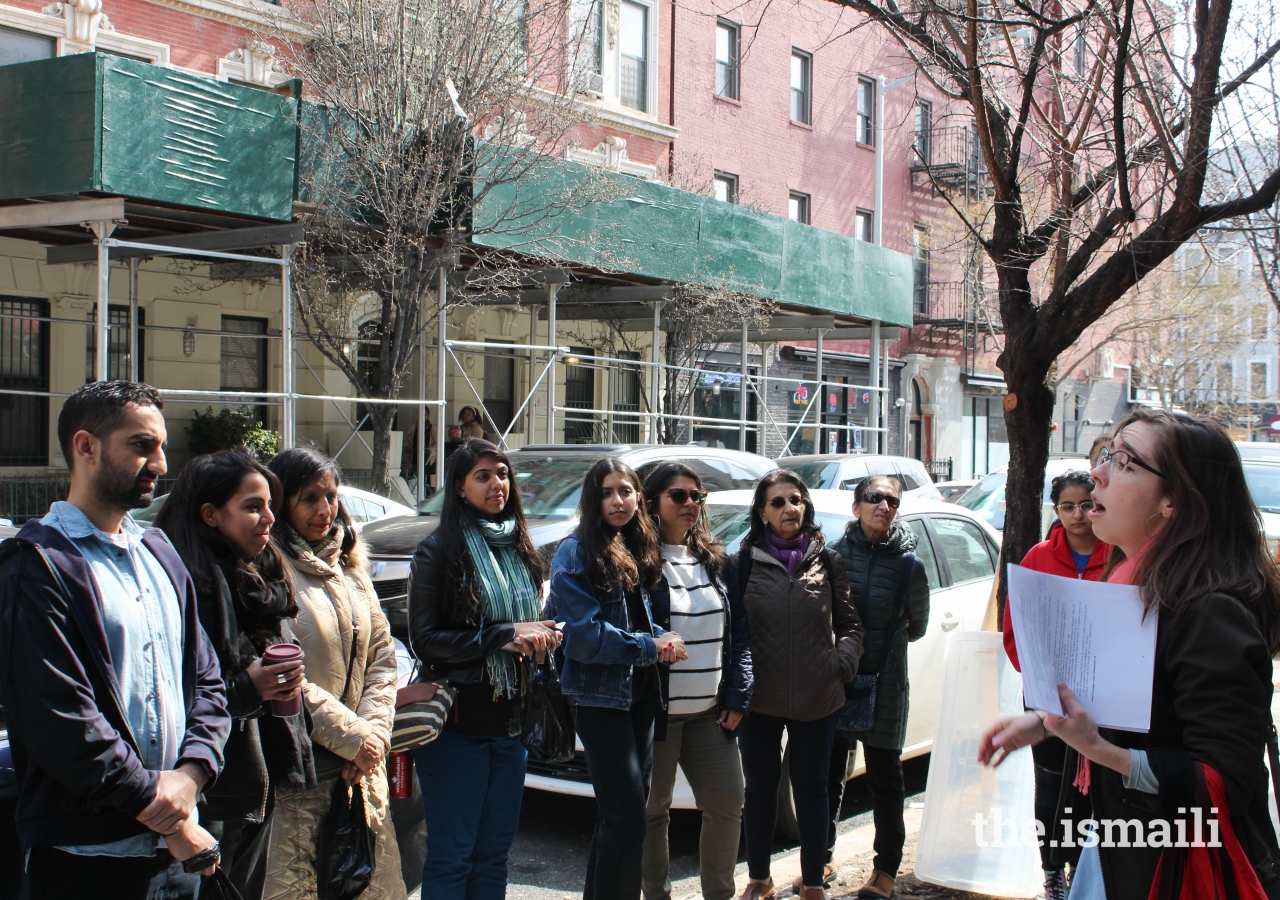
331 594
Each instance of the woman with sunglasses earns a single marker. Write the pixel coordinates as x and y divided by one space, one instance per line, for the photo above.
601 580
1171 499
706 694
1071 551
805 642
891 593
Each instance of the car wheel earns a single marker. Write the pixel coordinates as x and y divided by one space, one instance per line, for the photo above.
786 830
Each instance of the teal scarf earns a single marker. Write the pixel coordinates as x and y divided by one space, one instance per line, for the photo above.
507 593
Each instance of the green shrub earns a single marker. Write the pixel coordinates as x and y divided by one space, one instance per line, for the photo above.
230 428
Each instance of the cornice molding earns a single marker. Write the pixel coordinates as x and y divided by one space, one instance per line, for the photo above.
248 14
632 123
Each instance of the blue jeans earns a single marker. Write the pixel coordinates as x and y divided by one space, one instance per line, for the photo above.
809 755
471 793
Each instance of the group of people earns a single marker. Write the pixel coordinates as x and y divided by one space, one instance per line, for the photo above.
675 654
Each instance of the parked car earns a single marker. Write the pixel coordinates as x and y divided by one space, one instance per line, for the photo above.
843 471
1263 478
550 478
951 490
1259 450
364 506
986 498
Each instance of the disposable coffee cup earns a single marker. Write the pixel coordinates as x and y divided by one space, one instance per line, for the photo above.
278 653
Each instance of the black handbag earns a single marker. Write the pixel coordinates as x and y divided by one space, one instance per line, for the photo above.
218 887
859 710
546 728
344 863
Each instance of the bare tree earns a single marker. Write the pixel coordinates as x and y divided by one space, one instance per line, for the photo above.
1095 122
427 125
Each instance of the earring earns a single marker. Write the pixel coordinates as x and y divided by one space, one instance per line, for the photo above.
1146 524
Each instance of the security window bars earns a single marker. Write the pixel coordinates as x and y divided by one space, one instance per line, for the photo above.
801 90
727 59
726 187
798 207
633 82
243 362
24 366
866 111
117 345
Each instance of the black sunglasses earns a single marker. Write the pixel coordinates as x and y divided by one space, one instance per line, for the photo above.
795 500
875 498
679 496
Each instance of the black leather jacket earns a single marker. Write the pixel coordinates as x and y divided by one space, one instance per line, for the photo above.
448 647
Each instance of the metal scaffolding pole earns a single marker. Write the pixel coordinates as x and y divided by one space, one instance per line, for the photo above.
763 395
551 375
818 446
103 231
420 463
530 423
289 411
873 379
655 374
742 391
884 398
133 319
442 325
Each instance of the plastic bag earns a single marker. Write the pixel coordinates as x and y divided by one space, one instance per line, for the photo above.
547 728
218 887
344 863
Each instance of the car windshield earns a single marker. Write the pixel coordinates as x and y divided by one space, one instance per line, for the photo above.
730 524
976 497
549 485
817 474
1264 485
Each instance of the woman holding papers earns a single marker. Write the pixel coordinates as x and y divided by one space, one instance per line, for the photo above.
1072 551
1172 500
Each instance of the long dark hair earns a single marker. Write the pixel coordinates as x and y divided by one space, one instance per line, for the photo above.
296 468
462 596
629 557
704 545
755 536
1213 542
215 478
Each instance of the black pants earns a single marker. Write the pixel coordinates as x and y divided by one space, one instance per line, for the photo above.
244 850
619 749
809 753
888 795
1049 756
58 875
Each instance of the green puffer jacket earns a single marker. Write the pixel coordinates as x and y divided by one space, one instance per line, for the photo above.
874 572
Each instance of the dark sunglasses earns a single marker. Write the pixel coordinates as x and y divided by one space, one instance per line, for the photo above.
679 496
875 498
795 500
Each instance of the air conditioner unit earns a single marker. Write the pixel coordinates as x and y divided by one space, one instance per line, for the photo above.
1105 367
591 83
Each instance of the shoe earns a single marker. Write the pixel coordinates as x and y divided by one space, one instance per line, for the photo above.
1055 884
828 879
759 890
879 885
813 893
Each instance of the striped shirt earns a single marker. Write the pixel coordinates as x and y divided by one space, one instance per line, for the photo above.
698 616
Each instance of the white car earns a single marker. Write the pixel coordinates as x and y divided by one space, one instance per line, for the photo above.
959 551
843 471
986 498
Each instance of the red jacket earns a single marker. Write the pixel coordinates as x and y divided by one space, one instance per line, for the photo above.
1053 556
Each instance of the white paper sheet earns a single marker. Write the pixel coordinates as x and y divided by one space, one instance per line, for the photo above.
1090 635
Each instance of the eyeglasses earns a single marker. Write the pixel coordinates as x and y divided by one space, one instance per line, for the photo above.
875 498
1122 459
1069 509
794 500
679 496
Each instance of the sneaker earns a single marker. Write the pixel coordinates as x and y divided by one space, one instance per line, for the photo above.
1055 884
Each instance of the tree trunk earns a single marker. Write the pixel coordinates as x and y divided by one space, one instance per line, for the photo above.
381 416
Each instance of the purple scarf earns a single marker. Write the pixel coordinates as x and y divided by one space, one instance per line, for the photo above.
789 553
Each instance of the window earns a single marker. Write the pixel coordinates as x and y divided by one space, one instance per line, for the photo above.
801 80
20 47
624 385
726 187
24 366
920 269
866 111
1258 323
243 363
924 126
864 223
798 207
588 48
727 59
633 42
499 386
580 393
924 552
1257 381
1080 51
117 344
964 548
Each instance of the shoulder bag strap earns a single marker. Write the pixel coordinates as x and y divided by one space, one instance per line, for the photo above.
744 569
351 661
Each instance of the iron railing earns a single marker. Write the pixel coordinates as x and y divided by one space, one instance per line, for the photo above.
25 497
940 469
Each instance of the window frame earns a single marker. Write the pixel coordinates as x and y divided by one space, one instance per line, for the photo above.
732 66
868 217
922 140
804 203
866 119
647 61
805 92
920 263
36 409
731 181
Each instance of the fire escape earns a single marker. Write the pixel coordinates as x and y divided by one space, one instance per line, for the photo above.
960 314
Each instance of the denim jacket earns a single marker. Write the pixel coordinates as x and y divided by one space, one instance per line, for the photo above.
599 649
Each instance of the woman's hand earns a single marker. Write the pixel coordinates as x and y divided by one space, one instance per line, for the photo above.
351 774
1078 730
1009 734
267 679
671 648
729 719
370 755
535 639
